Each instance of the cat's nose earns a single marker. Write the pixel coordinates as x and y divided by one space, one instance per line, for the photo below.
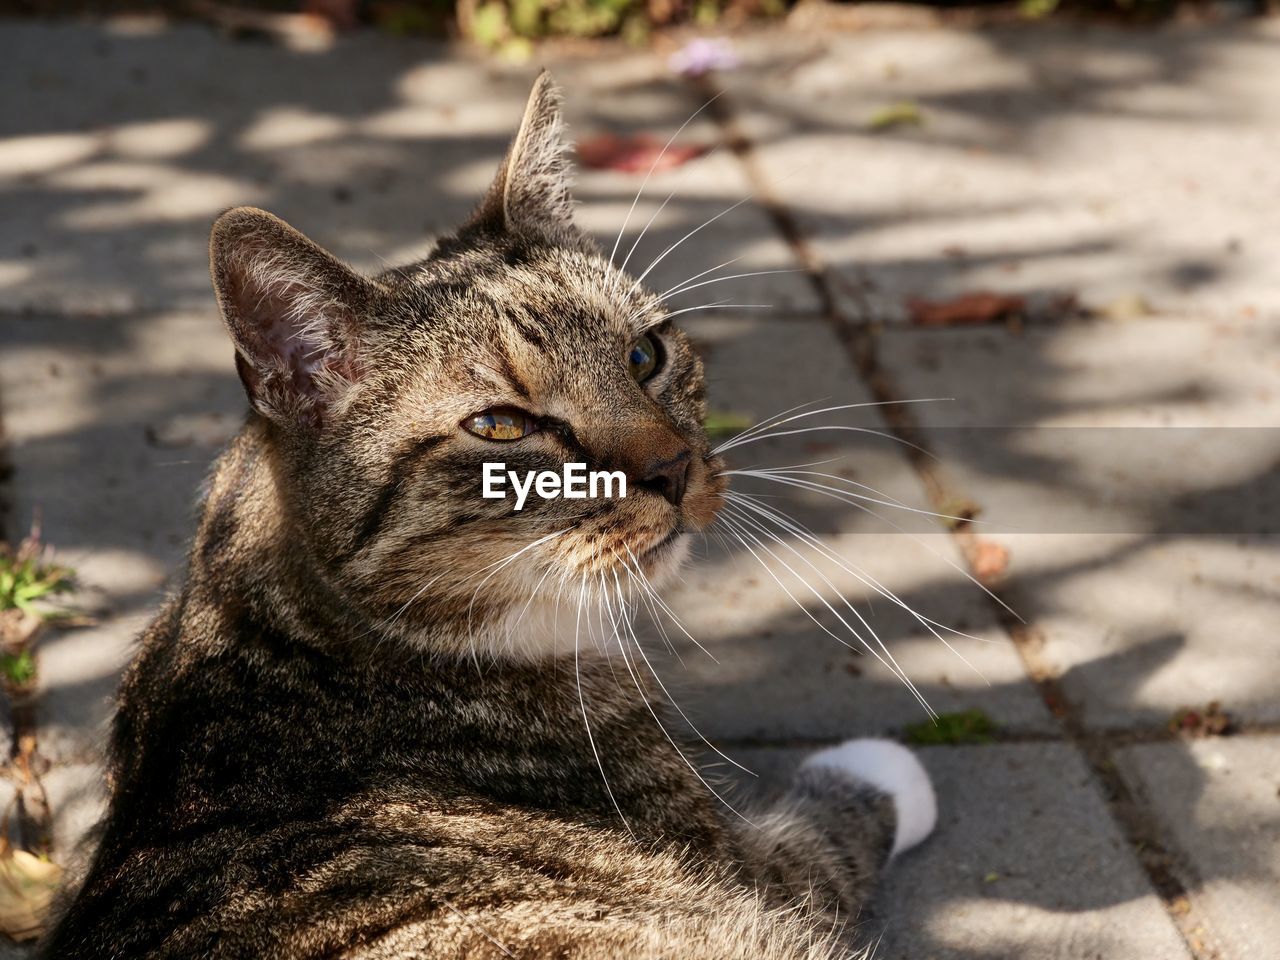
668 476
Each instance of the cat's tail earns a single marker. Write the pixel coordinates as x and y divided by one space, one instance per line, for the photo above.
848 811
877 766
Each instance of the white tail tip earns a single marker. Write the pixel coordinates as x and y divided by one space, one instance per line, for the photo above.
890 767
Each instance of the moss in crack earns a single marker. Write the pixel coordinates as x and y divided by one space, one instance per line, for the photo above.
967 726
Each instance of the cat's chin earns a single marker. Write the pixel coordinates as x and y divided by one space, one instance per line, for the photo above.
663 560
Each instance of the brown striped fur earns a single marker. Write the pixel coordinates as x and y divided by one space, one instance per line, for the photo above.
352 732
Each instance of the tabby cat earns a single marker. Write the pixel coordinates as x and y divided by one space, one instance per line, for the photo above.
369 724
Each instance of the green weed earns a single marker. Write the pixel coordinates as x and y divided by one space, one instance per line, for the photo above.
29 575
968 726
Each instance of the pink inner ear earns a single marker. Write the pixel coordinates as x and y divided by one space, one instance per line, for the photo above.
287 338
289 341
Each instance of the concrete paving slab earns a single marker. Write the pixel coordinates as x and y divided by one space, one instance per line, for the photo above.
637 95
127 141
782 672
1133 497
1025 862
1219 800
100 415
8 796
78 799
1064 158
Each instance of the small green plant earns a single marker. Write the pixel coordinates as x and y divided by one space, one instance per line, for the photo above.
29 575
18 669
1037 9
722 424
968 726
906 113
503 24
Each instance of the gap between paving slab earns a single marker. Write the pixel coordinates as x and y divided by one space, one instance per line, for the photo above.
1220 798
881 384
1024 862
1136 821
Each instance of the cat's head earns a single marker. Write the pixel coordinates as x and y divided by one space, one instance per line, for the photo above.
516 342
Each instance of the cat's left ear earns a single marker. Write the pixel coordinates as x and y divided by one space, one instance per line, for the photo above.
294 313
531 190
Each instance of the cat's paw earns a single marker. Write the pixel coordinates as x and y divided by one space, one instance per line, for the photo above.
894 769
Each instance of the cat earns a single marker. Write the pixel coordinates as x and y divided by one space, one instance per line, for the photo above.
366 726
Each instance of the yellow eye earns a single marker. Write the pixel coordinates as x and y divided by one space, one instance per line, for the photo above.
644 358
500 423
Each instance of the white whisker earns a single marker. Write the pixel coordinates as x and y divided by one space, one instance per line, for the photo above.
763 424
657 598
752 431
738 524
706 223
658 720
718 305
718 266
640 236
639 575
676 291
586 720
790 526
788 477
652 167
836 428
500 565
842 496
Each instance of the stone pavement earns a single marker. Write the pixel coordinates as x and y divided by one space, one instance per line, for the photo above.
1126 461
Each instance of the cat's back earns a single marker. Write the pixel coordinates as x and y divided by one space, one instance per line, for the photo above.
275 800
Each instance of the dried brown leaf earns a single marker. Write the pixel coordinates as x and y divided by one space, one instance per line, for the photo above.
969 309
990 560
27 887
636 153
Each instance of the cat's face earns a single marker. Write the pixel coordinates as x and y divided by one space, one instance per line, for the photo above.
516 343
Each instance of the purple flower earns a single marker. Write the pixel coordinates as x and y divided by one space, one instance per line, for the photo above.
701 56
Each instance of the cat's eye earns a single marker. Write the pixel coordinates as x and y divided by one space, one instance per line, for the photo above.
645 358
501 424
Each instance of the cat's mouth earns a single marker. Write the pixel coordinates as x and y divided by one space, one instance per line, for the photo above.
663 558
657 550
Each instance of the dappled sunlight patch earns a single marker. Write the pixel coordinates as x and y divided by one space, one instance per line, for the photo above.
1006 927
160 194
1171 371
112 572
14 272
438 82
39 154
468 177
284 127
1145 627
160 139
424 116
137 25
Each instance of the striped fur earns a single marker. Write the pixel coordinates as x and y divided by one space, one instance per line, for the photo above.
355 731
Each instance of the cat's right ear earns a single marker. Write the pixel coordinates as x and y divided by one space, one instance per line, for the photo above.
293 311
531 190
